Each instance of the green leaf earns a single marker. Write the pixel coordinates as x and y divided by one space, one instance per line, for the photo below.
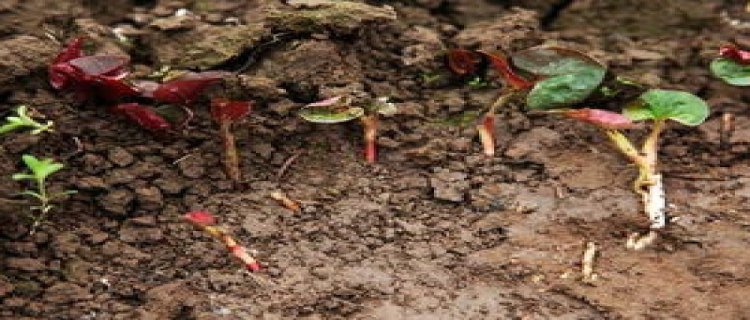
10 126
328 116
41 169
565 90
31 194
554 61
680 106
731 72
23 176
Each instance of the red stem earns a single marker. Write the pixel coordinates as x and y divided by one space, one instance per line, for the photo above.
487 133
370 126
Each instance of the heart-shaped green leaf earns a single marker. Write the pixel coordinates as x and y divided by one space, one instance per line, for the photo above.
332 110
572 76
680 106
327 116
731 72
554 61
565 90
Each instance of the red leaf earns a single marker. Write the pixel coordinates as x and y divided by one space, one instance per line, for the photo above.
200 218
113 89
186 89
72 50
601 118
227 110
143 116
63 75
111 66
146 87
500 64
463 62
735 54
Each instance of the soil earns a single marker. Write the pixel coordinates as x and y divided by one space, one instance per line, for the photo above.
434 230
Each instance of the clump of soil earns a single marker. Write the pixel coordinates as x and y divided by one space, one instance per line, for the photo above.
434 230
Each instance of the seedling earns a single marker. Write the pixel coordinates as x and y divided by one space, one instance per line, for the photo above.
23 120
39 171
225 113
90 77
207 222
732 66
103 77
473 64
338 109
657 106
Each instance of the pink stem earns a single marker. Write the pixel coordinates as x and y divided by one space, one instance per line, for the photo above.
370 124
487 133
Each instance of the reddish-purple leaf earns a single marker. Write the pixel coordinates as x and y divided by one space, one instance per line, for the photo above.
601 118
186 89
201 218
146 87
735 54
463 62
62 75
111 66
500 64
72 51
144 116
113 89
325 103
227 110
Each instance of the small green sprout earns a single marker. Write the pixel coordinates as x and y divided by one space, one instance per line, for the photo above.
39 171
23 120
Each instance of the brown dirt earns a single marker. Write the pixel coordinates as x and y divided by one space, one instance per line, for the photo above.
435 230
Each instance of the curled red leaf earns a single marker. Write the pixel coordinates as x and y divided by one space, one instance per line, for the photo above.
143 116
500 64
90 76
200 218
228 110
735 54
71 51
601 118
105 65
463 62
186 89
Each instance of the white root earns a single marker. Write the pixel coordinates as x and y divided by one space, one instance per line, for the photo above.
587 262
655 203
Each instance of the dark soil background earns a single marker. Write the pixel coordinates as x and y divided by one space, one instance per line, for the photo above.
435 230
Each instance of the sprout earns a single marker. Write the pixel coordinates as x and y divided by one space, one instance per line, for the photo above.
23 120
40 170
225 113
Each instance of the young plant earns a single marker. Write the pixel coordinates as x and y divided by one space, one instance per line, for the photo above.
732 66
338 109
104 78
225 113
39 171
657 106
23 120
207 222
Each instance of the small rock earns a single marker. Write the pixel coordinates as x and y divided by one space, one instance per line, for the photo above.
25 264
90 183
449 186
64 293
132 234
117 201
149 198
192 166
170 185
5 287
120 157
